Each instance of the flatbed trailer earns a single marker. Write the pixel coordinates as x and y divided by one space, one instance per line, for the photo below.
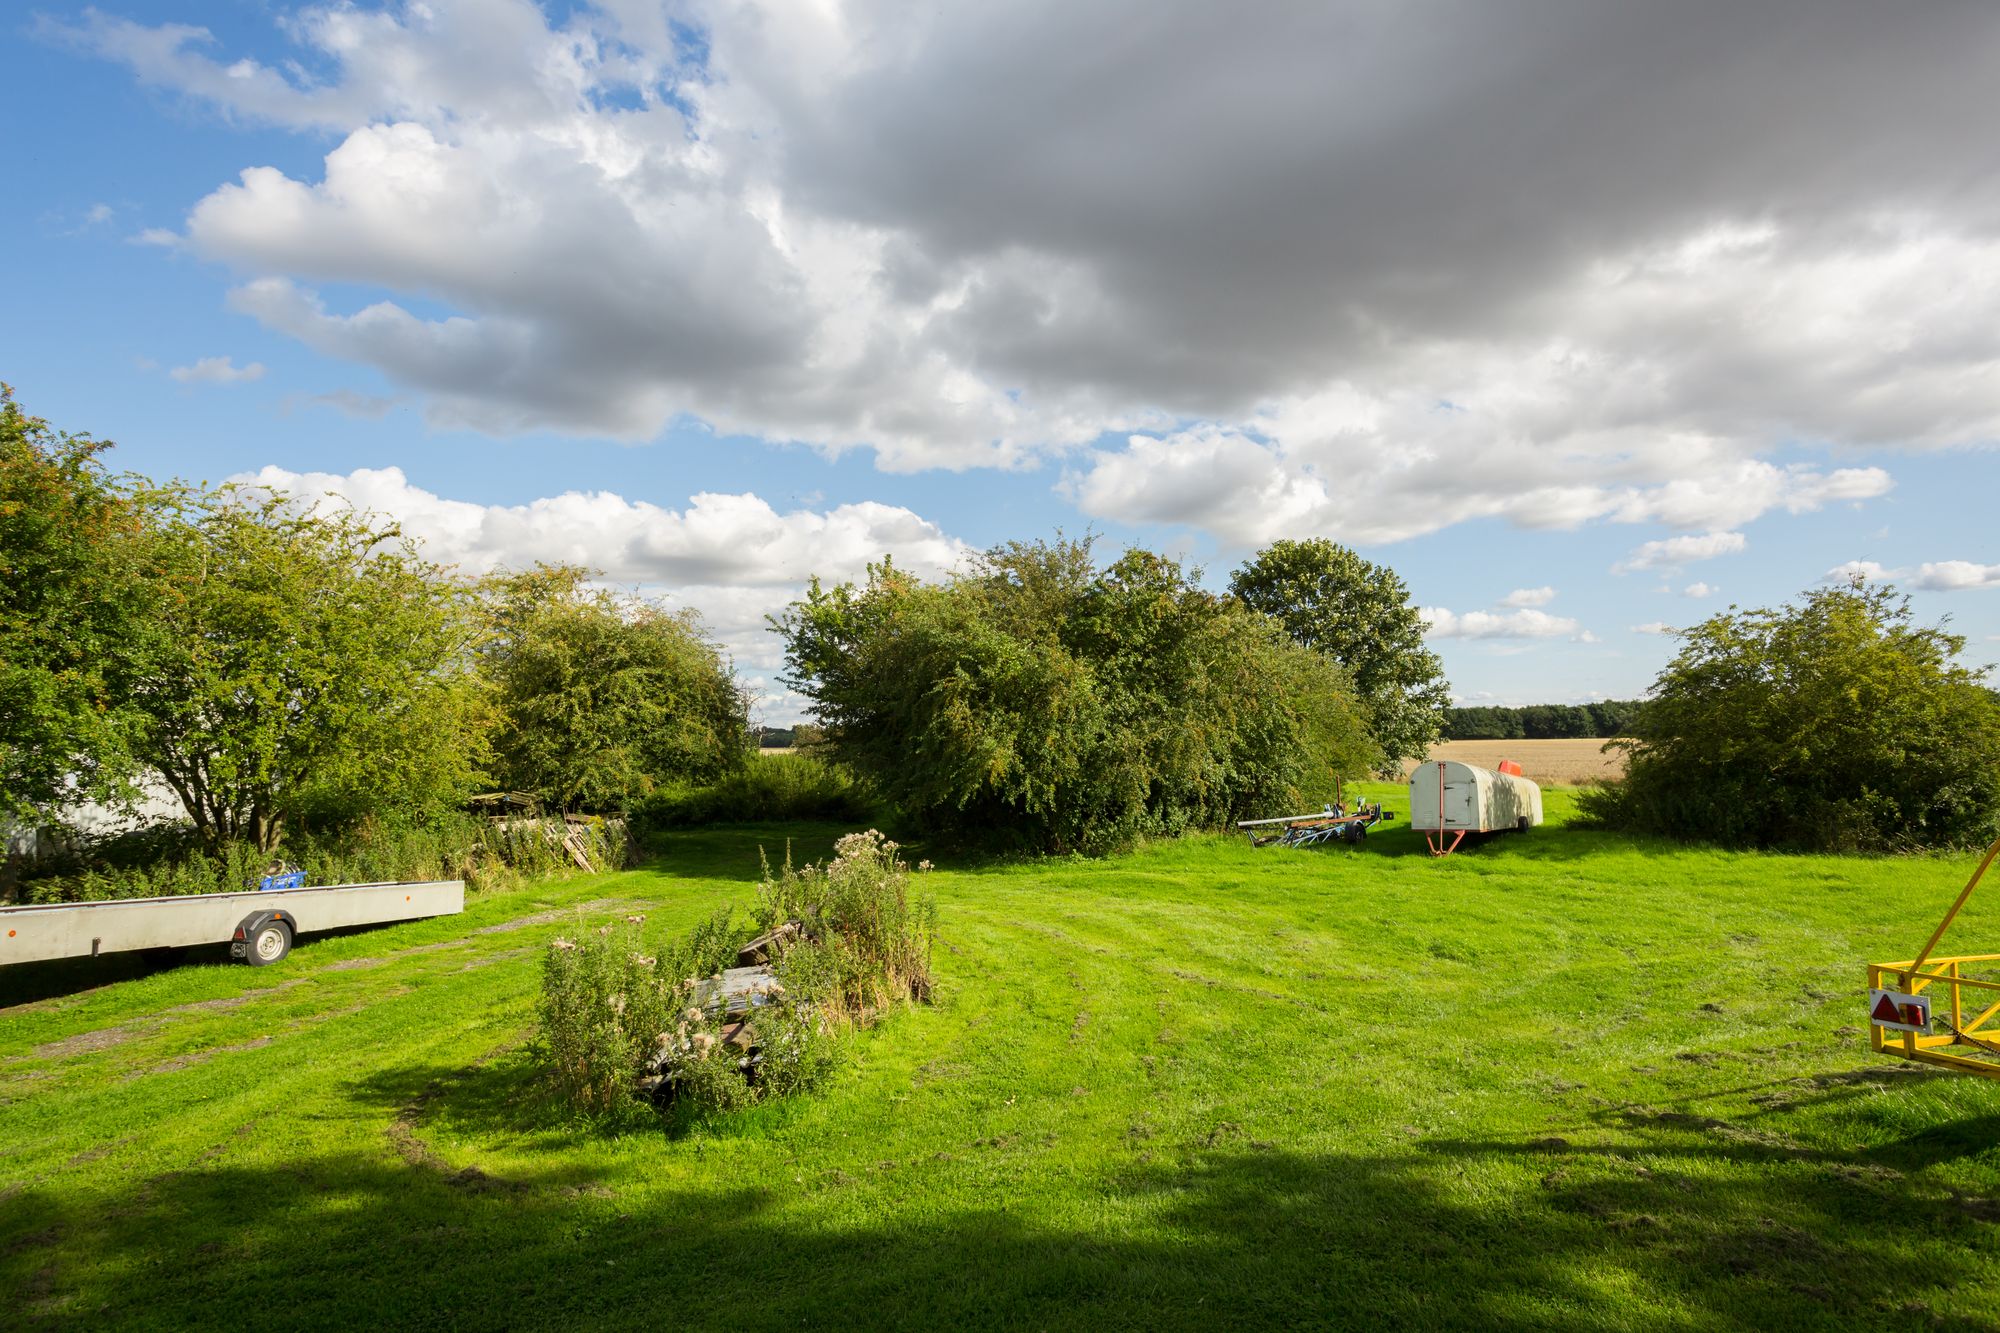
1333 824
258 925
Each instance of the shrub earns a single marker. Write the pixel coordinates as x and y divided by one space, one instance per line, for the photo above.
1039 701
772 788
618 1020
1833 724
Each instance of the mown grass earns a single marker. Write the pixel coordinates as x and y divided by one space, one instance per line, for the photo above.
1562 1081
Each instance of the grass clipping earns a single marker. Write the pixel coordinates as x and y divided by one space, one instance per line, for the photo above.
841 942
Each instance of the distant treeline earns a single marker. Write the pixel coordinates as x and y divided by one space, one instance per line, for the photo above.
1540 722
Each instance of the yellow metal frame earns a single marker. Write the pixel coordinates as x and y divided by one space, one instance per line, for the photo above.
1946 974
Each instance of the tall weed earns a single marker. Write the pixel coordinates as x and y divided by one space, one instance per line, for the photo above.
168 861
860 941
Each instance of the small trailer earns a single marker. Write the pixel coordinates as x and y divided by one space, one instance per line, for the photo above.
1336 823
258 925
1449 800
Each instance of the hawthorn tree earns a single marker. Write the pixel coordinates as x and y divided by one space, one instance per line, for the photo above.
1359 615
600 697
70 608
1832 723
300 663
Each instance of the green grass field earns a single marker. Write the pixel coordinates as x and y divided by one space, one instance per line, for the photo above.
1558 1081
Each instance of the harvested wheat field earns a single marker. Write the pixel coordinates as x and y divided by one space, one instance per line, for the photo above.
1565 763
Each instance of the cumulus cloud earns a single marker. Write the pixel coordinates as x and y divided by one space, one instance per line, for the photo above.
1955 575
217 370
734 558
1374 303
1523 624
1529 597
1673 552
1931 576
1653 627
1699 590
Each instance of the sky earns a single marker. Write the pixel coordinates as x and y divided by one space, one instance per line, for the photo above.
1590 319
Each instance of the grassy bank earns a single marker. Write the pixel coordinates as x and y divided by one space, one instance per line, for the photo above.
1560 1081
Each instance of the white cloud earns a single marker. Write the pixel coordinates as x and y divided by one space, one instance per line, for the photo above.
1931 576
1653 627
1699 590
1673 552
217 370
734 558
1374 305
1522 624
1529 597
1955 576
97 215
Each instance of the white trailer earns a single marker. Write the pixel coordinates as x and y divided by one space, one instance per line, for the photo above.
1449 800
258 925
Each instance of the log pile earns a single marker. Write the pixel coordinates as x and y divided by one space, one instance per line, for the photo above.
728 997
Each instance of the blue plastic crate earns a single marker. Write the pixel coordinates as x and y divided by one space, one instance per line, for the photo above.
290 879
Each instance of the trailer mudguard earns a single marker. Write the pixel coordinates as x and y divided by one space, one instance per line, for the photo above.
246 930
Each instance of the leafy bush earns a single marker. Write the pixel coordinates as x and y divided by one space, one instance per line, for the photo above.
772 788
1833 724
603 698
1039 701
603 1005
618 1020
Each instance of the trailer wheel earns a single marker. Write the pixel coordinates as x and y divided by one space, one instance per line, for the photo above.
1521 824
269 943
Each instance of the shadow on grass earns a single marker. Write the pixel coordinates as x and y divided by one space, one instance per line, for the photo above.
1249 1238
30 983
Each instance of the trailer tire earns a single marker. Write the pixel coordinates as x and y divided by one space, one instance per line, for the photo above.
1521 824
267 944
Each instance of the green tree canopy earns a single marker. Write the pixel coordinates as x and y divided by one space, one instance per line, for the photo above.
301 663
1832 723
1038 700
1360 615
603 697
70 604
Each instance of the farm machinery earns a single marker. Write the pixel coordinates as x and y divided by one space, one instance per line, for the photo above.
1932 1009
1335 823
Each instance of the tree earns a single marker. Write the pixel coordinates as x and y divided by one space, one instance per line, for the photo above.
1832 723
302 664
1359 615
601 698
69 607
1040 701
